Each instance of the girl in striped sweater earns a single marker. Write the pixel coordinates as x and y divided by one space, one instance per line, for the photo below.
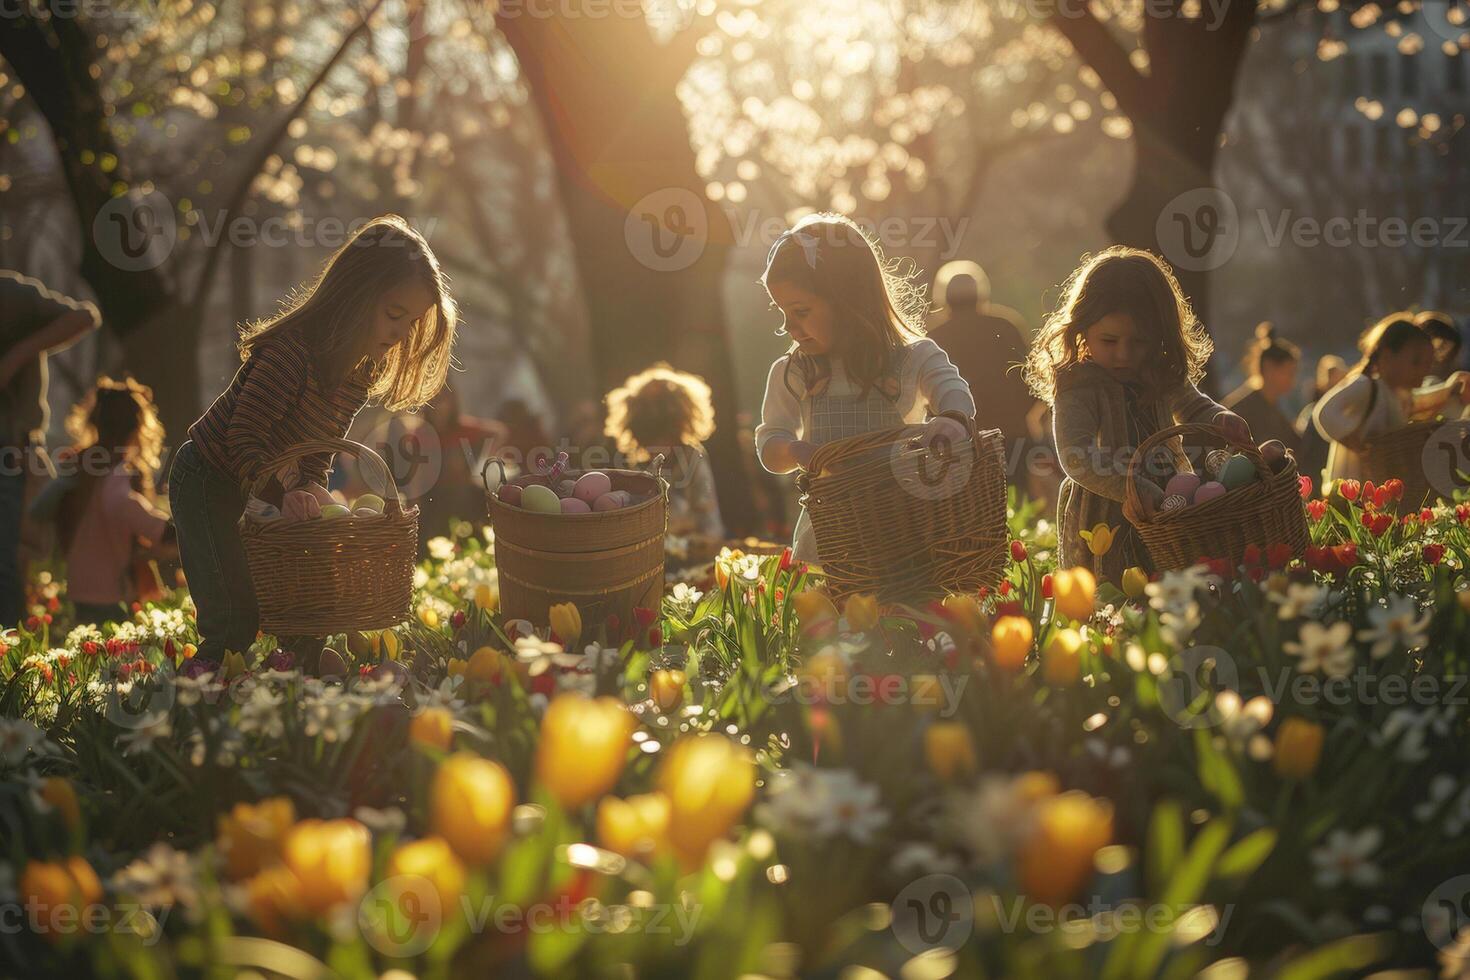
377 322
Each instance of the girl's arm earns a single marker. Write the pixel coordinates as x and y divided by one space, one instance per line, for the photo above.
1188 404
778 442
277 374
939 381
1339 414
1075 425
1430 398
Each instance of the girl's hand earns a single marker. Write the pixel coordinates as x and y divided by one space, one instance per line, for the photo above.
941 434
1234 427
801 451
300 505
1460 381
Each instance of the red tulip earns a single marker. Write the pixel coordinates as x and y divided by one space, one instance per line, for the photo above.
1316 509
1046 586
1433 553
1395 488
1349 489
1278 555
1018 551
1304 485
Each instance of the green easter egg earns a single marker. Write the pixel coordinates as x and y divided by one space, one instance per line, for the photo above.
1237 472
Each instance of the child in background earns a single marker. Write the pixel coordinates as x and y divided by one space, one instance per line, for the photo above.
858 361
661 410
377 322
1385 391
1312 457
1272 362
1118 361
1445 337
109 507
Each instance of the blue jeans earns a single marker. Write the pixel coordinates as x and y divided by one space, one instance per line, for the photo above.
207 505
12 590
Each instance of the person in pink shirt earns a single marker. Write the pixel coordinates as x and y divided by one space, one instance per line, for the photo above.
107 515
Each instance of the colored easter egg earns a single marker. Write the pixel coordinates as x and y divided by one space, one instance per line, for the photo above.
336 510
1215 460
1174 501
366 512
564 488
1237 472
592 485
1182 485
575 505
1208 491
608 501
509 493
541 500
368 501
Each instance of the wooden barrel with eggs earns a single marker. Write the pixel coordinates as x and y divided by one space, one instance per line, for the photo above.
607 563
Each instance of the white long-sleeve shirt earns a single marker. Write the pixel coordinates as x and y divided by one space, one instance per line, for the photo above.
1340 415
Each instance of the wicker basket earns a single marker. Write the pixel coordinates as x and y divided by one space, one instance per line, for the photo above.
318 577
897 521
606 563
1264 513
1400 453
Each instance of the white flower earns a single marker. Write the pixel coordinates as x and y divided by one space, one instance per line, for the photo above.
1412 726
141 739
446 695
989 821
1176 589
440 548
17 738
329 714
191 690
684 598
597 658
1239 722
541 655
1441 788
386 821
261 713
1394 627
918 858
1323 647
807 801
1345 858
1301 600
161 877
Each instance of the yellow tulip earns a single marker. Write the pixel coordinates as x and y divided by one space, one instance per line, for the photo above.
633 827
233 665
1062 663
667 688
584 744
1135 580
486 598
710 781
566 623
457 667
1033 786
470 802
822 677
949 750
391 645
1298 748
250 835
331 859
56 893
814 609
428 616
1056 859
487 666
1099 539
58 793
274 897
964 611
433 860
432 728
1074 591
1010 641
189 651
861 612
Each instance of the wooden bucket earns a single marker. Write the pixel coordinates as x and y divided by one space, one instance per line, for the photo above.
607 564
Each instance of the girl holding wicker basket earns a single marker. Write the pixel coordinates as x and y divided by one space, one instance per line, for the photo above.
858 361
1118 361
1385 391
377 322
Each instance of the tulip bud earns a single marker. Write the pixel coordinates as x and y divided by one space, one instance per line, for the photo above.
432 728
57 792
249 836
584 744
964 612
1135 581
1010 640
1298 748
331 860
862 613
1062 664
486 598
709 780
487 665
1057 858
633 827
470 802
1075 592
429 860
233 665
815 611
949 750
566 623
667 688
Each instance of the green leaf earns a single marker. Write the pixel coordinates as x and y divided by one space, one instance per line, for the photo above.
1216 773
1165 843
1337 958
1247 854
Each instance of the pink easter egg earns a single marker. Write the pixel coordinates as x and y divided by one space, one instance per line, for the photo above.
592 485
608 501
572 505
1209 491
1183 485
509 493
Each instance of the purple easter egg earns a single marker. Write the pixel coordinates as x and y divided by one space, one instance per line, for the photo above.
1209 491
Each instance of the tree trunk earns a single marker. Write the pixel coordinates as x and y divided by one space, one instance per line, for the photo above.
650 250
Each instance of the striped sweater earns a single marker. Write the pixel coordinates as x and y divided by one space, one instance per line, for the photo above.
276 401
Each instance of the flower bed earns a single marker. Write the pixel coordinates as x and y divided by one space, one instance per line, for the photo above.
1259 768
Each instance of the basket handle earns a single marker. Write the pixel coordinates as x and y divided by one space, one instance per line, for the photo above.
840 450
1133 503
485 473
364 453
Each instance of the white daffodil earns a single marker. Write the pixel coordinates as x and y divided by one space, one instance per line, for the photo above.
1345 858
1322 647
1301 600
541 655
1395 627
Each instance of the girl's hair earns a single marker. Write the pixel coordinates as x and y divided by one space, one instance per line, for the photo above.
657 404
118 417
333 312
877 306
1326 364
1268 348
1393 333
1127 280
1440 327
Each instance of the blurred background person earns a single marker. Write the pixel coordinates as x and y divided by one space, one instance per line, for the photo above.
1446 339
526 443
661 410
34 322
1271 364
1312 456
